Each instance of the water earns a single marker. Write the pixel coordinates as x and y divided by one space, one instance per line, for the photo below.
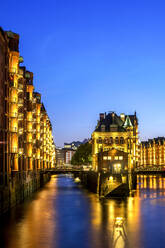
63 215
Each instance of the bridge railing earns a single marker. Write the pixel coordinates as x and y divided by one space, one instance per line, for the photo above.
150 168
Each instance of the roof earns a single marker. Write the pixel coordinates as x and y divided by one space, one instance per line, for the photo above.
112 122
158 140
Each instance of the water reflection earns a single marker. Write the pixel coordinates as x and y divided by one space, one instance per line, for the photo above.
119 233
64 215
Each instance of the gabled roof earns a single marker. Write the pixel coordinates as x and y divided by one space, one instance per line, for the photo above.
127 122
112 122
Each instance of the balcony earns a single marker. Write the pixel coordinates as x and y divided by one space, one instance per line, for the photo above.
13 99
14 150
29 119
12 84
13 70
20 116
20 86
13 129
20 100
13 114
20 130
20 151
20 72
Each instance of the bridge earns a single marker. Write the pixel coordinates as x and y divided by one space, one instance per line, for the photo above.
107 184
64 170
104 184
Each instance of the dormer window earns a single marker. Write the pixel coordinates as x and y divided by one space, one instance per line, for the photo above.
102 128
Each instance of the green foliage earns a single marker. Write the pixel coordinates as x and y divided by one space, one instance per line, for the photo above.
83 155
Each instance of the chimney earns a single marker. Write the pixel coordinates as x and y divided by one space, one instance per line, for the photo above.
122 117
101 116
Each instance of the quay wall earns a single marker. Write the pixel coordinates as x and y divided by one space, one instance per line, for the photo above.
90 181
108 184
21 186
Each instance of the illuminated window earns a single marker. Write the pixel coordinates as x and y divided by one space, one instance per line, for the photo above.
117 168
104 158
121 140
116 158
102 128
106 141
109 157
120 157
117 140
111 140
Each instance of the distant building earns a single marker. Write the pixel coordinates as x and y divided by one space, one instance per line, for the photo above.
60 156
75 144
64 156
68 156
116 133
152 152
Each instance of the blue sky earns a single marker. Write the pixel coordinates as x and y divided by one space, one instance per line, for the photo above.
91 56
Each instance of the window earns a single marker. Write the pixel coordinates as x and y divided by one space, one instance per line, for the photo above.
117 168
121 140
111 140
104 158
116 158
109 157
117 140
102 128
99 141
120 157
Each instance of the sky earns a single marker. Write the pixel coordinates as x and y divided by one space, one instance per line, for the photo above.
93 56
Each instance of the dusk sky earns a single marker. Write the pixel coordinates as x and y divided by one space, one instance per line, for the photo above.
92 56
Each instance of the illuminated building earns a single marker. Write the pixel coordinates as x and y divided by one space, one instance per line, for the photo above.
68 153
64 156
26 144
152 152
60 156
116 134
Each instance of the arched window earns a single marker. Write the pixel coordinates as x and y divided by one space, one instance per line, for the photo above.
102 128
99 141
121 140
111 140
106 141
117 140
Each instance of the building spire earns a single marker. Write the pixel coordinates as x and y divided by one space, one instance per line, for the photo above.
127 122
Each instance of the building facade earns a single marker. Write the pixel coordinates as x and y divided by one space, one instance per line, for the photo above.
152 153
64 156
60 156
114 161
118 133
68 155
26 140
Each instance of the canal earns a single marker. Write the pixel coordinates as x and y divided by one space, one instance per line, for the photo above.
63 215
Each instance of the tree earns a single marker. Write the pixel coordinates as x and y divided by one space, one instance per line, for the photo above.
83 155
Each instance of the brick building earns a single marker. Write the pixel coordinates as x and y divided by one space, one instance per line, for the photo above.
119 133
152 152
26 140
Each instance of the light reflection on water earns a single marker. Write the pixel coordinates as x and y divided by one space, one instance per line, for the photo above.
63 215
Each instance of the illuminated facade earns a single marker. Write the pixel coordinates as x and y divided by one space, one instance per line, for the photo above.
26 133
152 152
116 133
